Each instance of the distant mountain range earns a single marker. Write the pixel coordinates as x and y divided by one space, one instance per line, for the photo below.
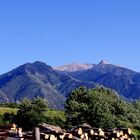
37 79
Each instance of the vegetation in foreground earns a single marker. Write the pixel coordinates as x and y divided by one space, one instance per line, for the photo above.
99 107
30 113
102 108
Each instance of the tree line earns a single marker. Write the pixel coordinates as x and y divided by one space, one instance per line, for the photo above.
99 107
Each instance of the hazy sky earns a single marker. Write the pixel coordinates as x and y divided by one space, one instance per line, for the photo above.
66 31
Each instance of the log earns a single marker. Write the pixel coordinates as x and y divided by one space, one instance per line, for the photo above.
52 137
61 137
79 131
4 134
82 136
101 133
19 132
68 136
121 133
6 126
4 130
30 137
12 133
45 126
86 136
46 136
36 133
49 132
125 136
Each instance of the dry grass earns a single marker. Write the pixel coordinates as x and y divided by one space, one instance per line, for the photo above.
4 110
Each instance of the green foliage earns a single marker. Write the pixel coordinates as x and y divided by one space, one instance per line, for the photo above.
7 115
4 110
9 105
100 107
1 119
31 113
55 117
8 118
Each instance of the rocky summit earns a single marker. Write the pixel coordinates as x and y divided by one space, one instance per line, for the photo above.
125 81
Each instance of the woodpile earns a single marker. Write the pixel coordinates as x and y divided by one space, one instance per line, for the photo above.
85 132
50 132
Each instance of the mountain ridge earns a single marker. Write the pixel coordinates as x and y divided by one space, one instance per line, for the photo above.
123 80
38 79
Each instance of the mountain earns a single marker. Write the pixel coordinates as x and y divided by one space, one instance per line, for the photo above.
125 81
37 79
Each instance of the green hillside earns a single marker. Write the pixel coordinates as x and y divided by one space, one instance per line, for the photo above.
4 110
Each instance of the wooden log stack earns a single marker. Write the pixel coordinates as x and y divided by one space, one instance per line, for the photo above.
81 132
86 132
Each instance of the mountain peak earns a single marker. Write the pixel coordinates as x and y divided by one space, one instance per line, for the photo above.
39 63
74 67
104 62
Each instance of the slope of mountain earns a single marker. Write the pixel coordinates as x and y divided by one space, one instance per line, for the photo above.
37 79
31 80
126 82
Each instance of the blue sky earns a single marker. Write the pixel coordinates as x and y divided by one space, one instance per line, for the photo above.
65 31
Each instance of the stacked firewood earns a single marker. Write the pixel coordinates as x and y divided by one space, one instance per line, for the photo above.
84 132
49 132
9 130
